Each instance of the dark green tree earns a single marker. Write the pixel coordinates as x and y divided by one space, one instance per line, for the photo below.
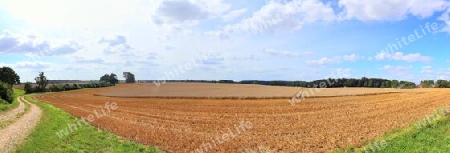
105 78
41 81
6 92
395 84
9 76
442 84
113 79
129 77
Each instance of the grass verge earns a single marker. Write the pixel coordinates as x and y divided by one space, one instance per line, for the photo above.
15 103
433 137
84 139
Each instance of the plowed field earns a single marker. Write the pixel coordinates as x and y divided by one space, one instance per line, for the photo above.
211 90
313 125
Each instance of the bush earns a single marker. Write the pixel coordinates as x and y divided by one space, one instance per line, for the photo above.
67 87
28 88
56 88
3 101
6 92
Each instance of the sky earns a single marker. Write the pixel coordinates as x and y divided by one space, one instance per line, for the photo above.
232 39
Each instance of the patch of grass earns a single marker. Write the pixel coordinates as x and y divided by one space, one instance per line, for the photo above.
434 137
15 103
84 139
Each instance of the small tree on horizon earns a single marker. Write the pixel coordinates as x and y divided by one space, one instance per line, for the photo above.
129 77
41 81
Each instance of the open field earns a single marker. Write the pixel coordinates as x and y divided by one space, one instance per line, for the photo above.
83 139
211 90
314 125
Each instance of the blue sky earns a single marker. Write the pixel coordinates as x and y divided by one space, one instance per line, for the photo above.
253 39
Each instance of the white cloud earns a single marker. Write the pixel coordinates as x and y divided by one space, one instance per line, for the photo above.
31 44
390 9
324 61
233 14
287 16
32 65
285 53
427 69
398 71
181 11
351 57
333 60
56 13
445 17
116 44
399 56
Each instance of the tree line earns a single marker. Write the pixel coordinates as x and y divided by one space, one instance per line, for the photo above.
435 84
339 83
106 80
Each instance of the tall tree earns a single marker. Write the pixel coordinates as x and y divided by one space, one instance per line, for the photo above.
9 76
41 81
113 79
129 77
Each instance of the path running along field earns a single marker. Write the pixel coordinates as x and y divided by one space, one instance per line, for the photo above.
15 133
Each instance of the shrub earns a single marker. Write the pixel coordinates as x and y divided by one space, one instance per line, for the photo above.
56 88
6 92
28 88
3 101
67 87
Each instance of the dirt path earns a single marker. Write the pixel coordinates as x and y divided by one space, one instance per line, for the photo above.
12 114
15 133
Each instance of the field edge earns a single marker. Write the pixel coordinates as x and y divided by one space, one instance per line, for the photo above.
87 138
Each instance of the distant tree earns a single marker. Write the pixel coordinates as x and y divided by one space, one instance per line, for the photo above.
6 92
427 83
113 79
67 87
395 84
105 78
76 86
41 81
442 84
9 76
28 88
407 85
129 77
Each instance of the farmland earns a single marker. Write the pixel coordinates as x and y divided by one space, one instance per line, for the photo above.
147 114
208 90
